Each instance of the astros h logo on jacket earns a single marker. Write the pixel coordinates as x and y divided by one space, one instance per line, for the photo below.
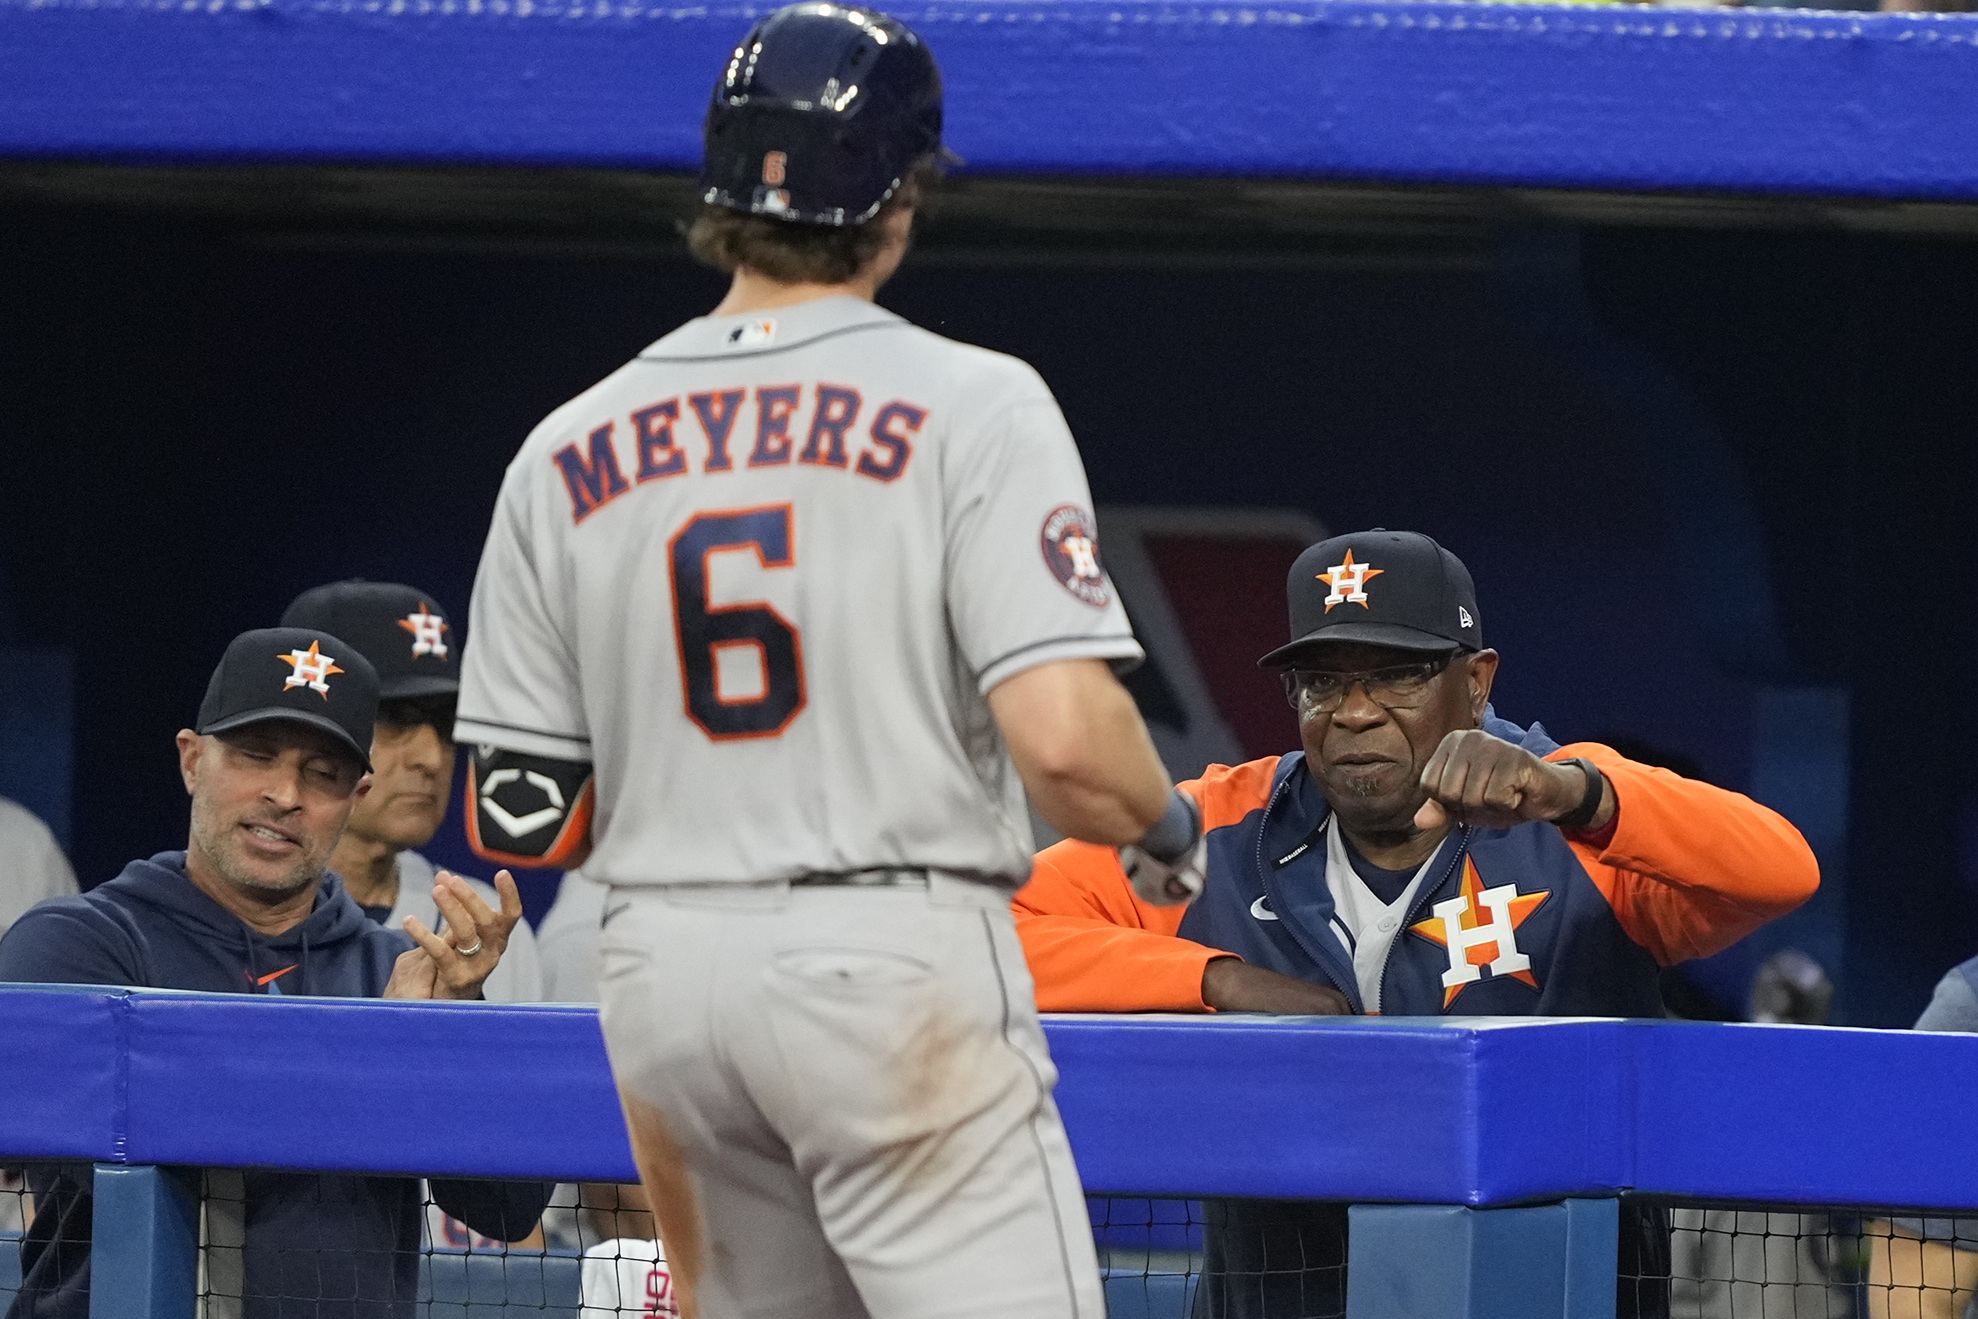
1480 929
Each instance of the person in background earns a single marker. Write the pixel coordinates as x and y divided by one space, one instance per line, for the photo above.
405 634
624 1263
1927 1268
1754 1263
32 868
568 940
1416 855
625 1269
274 763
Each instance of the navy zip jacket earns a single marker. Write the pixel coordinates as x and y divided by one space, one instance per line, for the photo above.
1684 870
1526 921
316 1246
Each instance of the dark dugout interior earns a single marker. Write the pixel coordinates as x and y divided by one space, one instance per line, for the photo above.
1708 459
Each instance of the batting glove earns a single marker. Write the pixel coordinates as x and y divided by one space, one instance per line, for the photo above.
1170 862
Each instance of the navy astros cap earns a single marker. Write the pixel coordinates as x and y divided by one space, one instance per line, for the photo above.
1382 588
302 675
403 631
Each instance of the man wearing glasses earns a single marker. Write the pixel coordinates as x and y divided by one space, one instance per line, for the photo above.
1417 856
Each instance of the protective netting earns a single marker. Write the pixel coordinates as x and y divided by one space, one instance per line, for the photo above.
1251 1259
1150 1254
59 1242
593 1255
1784 1262
16 1215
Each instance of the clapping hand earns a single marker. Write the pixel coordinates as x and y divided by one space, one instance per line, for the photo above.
456 963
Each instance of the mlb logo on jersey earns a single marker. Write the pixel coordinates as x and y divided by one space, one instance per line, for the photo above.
753 334
1071 550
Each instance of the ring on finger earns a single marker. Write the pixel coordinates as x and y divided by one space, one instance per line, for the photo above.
470 949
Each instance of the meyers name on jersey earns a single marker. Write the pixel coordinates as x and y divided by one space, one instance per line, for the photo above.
725 548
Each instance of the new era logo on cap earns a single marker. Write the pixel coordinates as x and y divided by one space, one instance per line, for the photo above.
1423 599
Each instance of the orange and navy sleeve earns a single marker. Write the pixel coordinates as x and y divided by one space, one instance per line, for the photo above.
1093 946
1688 868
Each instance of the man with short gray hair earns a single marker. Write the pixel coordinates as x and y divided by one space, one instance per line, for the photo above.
274 763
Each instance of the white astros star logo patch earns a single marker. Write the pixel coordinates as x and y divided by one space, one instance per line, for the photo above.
311 669
1348 581
428 632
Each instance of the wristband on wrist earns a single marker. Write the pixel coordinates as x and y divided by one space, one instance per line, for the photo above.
1582 815
1175 832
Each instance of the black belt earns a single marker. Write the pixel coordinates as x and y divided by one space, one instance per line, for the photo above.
870 877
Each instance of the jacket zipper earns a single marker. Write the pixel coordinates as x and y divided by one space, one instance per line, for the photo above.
1265 871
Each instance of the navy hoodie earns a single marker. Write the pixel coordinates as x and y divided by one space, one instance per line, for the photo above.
316 1246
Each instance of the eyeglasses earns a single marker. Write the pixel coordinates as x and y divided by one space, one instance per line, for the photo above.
1402 687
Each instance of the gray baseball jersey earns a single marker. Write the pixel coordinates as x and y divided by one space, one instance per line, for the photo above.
762 578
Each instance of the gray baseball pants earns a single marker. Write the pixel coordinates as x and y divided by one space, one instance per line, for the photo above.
861 1094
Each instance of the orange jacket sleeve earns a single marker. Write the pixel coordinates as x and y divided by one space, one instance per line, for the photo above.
1691 869
1095 947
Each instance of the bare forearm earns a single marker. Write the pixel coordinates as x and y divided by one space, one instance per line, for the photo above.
1082 751
1098 803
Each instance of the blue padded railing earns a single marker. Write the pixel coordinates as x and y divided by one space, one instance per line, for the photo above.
1620 97
1477 1132
1475 1111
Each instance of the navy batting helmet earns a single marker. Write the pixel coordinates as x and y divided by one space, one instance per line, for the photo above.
820 115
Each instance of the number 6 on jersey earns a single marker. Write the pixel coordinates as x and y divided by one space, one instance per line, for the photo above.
703 632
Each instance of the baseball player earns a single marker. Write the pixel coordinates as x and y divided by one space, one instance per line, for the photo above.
774 626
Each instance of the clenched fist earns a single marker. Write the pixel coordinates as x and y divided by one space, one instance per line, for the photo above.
1474 778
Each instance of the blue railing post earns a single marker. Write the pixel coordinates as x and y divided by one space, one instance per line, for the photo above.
144 1244
1446 1262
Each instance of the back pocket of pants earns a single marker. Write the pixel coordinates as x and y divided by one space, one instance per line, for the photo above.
851 969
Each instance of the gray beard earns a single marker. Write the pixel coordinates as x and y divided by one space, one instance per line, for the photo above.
305 874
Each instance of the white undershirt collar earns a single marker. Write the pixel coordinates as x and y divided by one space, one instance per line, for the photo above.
1367 926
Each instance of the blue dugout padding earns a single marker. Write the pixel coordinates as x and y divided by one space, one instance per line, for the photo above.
1471 1112
1610 98
1446 1262
148 1265
1482 1156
